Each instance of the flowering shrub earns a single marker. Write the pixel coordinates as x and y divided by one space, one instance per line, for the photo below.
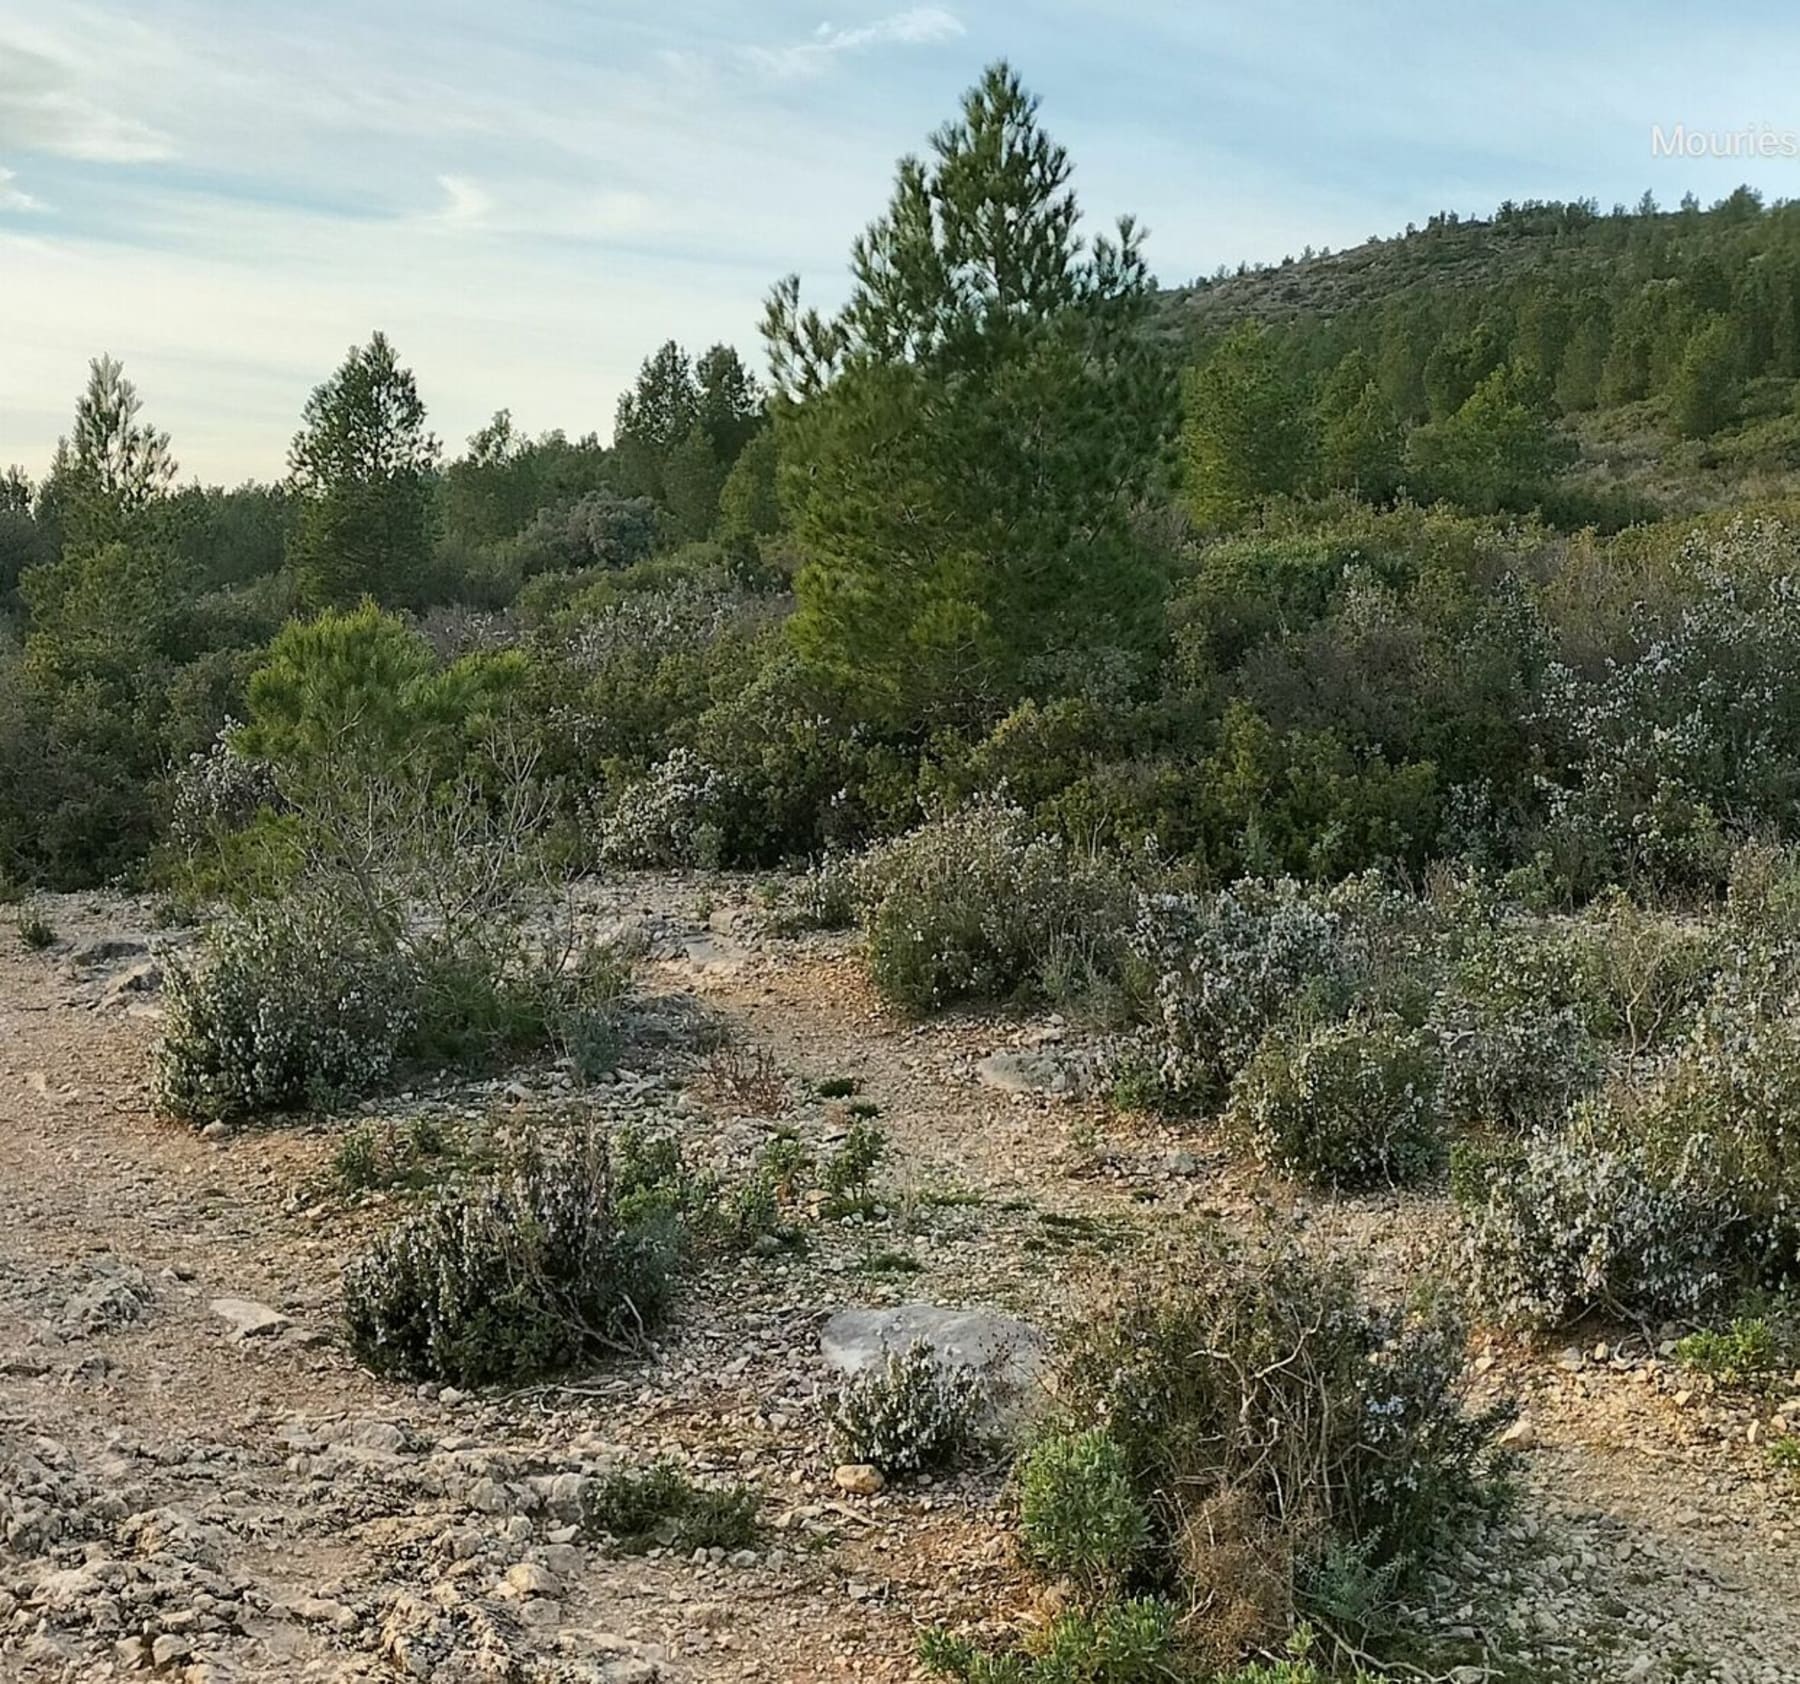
1512 1026
291 1007
913 1414
532 1271
217 792
673 817
1698 723
1345 1105
1564 1227
979 906
1229 966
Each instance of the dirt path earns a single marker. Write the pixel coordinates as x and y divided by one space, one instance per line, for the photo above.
182 1501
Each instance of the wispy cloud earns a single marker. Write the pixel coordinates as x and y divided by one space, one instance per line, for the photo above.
14 198
466 204
923 26
43 109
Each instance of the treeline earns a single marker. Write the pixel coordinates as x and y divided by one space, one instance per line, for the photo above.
1307 597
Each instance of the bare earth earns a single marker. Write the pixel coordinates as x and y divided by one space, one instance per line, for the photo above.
183 1501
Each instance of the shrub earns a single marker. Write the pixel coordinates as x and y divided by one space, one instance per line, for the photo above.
1512 1027
912 1414
1559 1228
1748 1349
670 818
847 1177
1345 1105
1228 967
1130 1642
1078 1512
1276 1426
661 1507
36 932
292 1007
978 906
539 1268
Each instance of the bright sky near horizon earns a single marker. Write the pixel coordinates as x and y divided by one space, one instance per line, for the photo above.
529 197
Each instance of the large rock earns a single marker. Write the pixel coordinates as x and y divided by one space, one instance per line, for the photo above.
1010 1352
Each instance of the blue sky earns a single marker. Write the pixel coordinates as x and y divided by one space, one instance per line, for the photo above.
528 197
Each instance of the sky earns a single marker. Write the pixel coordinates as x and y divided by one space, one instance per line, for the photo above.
529 197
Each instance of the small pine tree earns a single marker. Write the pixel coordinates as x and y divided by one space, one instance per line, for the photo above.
1248 432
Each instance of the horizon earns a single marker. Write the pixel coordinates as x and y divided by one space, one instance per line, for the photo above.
529 205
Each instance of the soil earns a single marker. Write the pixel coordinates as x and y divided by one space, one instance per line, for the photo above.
210 1493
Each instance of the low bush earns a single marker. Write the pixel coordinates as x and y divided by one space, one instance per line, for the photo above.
1513 1029
1751 1348
1129 1642
660 1507
1345 1105
1228 967
911 1414
551 1263
291 1008
1078 1512
36 932
671 818
1558 1228
1290 1443
979 906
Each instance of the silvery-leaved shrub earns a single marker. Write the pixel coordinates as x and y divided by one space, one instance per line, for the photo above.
1350 1104
911 1413
1230 966
549 1263
289 1007
673 817
980 905
217 792
1564 1226
1513 1028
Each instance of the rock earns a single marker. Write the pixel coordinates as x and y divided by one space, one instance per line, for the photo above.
1181 1162
320 1611
106 950
382 1437
860 1479
564 1560
743 1558
132 1653
217 1131
1010 1352
248 1318
168 1649
1521 1435
132 984
1026 1072
529 1579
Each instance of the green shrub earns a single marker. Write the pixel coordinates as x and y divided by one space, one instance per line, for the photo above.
36 931
1078 1512
291 1007
535 1270
1277 1426
1748 1349
1228 967
847 1177
1131 1642
977 906
1345 1105
661 1507
911 1414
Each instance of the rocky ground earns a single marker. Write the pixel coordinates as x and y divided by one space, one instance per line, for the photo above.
196 1483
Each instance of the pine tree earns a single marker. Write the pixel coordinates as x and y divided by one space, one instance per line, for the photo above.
112 467
363 465
1703 396
1247 433
1359 434
963 444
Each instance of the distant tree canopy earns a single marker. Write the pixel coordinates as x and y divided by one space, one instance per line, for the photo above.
962 445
